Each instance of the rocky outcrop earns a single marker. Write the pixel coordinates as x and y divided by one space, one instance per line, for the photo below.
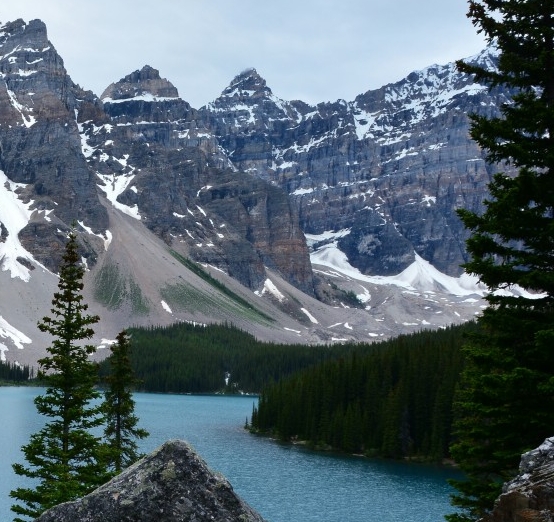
530 496
172 484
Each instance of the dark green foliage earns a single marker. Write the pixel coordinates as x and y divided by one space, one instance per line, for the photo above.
64 457
14 373
394 399
505 404
121 422
187 358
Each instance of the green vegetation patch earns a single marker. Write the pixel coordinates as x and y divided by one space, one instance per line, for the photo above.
109 287
241 304
140 305
112 289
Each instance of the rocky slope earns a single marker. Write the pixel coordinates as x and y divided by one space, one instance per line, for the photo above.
172 484
327 223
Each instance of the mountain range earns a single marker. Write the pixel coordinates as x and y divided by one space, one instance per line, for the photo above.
299 223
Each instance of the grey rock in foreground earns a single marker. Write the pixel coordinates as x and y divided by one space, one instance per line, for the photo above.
530 496
171 484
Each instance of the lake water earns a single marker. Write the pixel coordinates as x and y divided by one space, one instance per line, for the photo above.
283 483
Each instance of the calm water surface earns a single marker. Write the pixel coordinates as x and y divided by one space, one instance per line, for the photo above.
283 483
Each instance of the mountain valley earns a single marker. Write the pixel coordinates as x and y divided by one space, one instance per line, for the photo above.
298 223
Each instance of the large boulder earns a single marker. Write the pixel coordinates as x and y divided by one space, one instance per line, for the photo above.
530 496
171 484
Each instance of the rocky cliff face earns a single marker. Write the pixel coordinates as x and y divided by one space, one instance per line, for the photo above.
172 484
40 147
530 496
388 169
142 147
161 165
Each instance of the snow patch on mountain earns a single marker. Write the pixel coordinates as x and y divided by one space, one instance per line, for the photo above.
14 215
7 331
270 288
113 186
420 276
107 237
28 119
141 96
310 316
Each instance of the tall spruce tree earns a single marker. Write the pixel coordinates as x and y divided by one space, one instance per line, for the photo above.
65 459
121 422
505 404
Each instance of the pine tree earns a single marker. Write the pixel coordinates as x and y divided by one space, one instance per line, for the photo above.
65 458
121 423
505 403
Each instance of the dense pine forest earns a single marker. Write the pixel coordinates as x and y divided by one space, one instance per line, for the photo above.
15 373
394 401
187 358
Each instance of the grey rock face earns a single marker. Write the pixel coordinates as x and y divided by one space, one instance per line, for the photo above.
66 147
186 189
530 496
172 484
40 145
402 153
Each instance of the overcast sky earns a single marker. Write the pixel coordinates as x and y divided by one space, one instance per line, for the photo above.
312 50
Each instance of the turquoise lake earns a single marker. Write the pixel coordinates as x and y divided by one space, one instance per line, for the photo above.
283 483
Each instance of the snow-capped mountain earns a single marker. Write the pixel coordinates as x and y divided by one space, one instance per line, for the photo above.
299 223
390 167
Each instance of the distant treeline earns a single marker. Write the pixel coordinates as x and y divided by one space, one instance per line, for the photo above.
187 358
394 401
12 372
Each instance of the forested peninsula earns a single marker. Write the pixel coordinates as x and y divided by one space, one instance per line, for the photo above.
395 401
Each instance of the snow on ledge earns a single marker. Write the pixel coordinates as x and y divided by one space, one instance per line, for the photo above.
310 316
114 186
108 235
143 96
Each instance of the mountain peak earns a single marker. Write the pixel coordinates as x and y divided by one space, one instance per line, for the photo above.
247 83
33 35
140 83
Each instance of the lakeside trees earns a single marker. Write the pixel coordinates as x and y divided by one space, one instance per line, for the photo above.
121 429
68 458
394 400
188 358
505 404
12 372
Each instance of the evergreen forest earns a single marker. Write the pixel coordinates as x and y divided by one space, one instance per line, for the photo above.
15 373
192 358
393 401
